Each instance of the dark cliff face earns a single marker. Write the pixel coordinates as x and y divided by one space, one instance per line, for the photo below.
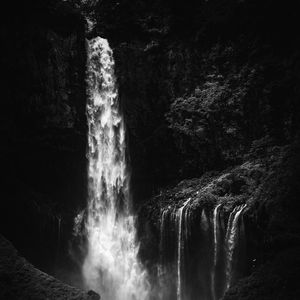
201 80
43 127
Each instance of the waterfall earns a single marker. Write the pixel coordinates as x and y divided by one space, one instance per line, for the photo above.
216 238
179 253
182 221
232 240
205 269
168 247
161 266
111 266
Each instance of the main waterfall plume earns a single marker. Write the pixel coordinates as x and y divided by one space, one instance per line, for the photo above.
111 266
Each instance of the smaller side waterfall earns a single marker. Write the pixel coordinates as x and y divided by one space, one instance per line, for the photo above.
182 221
216 228
232 239
179 253
167 269
206 256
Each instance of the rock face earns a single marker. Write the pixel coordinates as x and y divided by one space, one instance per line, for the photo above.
20 280
43 127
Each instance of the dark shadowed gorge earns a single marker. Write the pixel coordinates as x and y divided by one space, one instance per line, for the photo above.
150 150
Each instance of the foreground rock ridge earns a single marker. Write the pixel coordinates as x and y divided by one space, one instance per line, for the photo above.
21 280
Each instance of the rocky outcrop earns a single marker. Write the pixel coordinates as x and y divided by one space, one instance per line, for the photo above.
20 280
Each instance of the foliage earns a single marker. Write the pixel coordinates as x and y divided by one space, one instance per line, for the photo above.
210 121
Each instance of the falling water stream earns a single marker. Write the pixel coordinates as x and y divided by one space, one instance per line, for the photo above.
219 246
216 237
111 266
232 239
182 220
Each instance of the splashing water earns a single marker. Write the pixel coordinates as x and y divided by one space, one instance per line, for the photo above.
111 266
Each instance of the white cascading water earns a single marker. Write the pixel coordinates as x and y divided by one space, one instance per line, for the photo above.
179 252
222 271
111 266
163 270
232 240
182 220
216 238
